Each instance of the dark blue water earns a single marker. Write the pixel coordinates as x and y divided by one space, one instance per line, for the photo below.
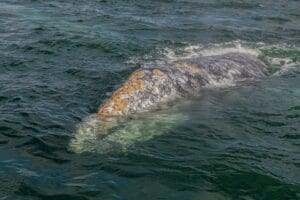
60 60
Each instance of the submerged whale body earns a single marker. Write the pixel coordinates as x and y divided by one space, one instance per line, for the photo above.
148 87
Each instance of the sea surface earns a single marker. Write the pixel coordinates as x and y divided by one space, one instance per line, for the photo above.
61 59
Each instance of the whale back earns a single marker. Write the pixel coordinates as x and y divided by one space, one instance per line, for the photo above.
141 92
217 70
147 88
240 65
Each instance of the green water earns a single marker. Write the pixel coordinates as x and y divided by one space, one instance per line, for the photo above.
60 60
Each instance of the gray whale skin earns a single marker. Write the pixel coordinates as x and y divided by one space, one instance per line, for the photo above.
148 87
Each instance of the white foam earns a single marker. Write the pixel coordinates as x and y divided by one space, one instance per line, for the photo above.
280 63
280 60
193 51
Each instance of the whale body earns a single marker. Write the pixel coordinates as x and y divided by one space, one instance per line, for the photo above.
146 89
149 87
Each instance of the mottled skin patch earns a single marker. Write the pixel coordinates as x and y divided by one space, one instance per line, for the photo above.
189 68
118 104
148 87
158 72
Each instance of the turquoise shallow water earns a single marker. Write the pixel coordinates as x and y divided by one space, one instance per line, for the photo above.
59 60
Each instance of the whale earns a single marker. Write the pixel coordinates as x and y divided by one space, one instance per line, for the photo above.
149 87
145 106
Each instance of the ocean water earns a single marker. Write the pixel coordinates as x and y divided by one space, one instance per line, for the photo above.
60 60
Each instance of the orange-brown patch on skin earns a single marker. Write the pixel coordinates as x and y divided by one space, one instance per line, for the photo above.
159 73
134 83
137 74
118 104
189 68
154 89
115 106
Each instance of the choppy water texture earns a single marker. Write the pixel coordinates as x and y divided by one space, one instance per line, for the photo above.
60 60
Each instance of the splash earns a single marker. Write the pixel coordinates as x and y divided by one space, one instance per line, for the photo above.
279 58
282 59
